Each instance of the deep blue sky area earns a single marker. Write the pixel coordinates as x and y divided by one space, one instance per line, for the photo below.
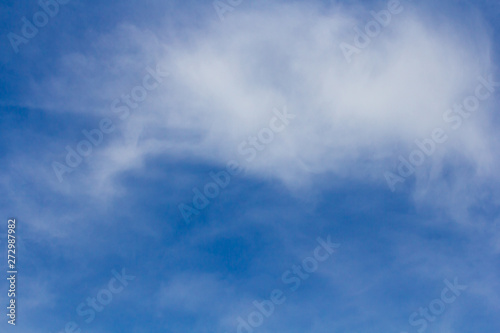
172 165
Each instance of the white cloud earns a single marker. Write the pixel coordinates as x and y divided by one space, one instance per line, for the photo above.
352 119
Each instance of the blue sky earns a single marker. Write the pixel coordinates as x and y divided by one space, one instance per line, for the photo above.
171 96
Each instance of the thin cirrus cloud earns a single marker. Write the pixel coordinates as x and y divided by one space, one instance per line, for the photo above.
227 78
